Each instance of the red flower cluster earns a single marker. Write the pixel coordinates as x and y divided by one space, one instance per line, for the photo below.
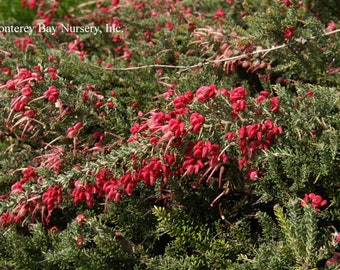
84 192
206 92
315 200
262 97
237 99
254 137
174 135
161 127
203 155
51 94
182 100
51 198
196 121
203 158
28 175
22 79
153 170
236 94
52 160
53 72
23 42
112 188
26 91
108 186
257 136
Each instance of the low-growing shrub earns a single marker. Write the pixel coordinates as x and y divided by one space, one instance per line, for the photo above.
198 135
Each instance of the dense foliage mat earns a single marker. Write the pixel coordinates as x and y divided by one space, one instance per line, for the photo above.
169 134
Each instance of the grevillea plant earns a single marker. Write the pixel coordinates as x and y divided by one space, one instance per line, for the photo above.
201 137
190 135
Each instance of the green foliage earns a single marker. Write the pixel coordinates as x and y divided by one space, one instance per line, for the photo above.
307 156
11 11
296 242
198 246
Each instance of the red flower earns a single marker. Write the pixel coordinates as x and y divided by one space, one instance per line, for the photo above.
51 94
154 13
237 93
334 260
242 131
29 113
53 73
127 54
4 197
19 103
289 32
17 188
110 104
28 173
196 121
275 104
262 97
191 26
26 90
80 240
288 3
10 85
230 136
200 155
238 106
177 127
253 174
73 131
331 26
135 128
80 219
86 96
205 92
114 3
309 94
54 229
169 26
241 162
6 218
183 100
219 14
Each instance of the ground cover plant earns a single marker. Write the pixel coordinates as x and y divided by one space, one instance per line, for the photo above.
169 134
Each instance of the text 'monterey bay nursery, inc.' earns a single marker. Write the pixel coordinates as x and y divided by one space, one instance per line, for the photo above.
63 28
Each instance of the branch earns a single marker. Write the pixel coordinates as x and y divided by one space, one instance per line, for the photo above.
201 64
